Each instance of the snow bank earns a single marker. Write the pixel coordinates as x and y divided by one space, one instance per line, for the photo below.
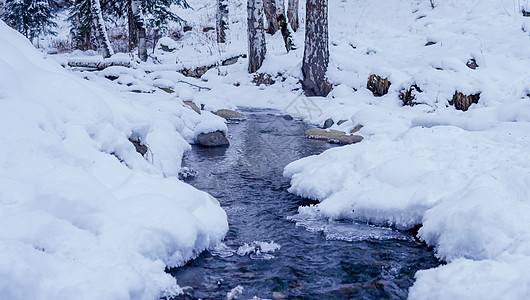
464 175
82 214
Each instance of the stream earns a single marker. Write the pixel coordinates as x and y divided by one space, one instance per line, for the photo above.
271 253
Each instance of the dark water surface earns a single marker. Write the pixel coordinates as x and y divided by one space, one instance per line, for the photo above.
317 258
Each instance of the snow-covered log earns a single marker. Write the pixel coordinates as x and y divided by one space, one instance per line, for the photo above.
98 65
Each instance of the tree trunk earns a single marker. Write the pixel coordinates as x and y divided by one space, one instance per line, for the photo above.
256 35
140 28
316 53
222 20
270 13
292 14
281 21
285 33
101 31
132 27
280 7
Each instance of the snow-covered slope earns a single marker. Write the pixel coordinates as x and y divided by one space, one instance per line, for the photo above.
75 222
464 175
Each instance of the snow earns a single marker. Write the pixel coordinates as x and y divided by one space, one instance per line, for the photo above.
82 214
464 176
258 250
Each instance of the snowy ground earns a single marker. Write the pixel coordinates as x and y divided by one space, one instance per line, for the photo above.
75 221
464 175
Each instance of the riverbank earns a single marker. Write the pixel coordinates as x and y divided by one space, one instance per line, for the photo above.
269 250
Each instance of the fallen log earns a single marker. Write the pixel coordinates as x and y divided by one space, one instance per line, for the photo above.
98 65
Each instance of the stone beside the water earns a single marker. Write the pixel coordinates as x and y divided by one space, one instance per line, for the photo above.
229 114
328 123
357 128
323 134
341 121
193 106
333 136
212 139
347 139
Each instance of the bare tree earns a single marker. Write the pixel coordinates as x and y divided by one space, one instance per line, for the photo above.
222 20
101 31
316 52
280 7
256 35
133 37
270 13
292 14
140 29
282 25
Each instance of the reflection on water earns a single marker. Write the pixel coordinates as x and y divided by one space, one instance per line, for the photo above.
273 252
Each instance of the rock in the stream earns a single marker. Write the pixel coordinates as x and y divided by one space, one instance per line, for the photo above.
323 134
193 106
229 114
346 139
212 139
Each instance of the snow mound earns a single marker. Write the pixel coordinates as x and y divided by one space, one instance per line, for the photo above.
464 175
82 214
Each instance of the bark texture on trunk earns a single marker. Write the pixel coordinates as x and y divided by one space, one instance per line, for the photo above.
101 31
256 35
287 39
269 7
280 7
140 29
316 52
292 14
132 27
222 20
281 21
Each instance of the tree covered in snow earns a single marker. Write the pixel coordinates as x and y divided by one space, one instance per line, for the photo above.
2 6
82 21
292 14
256 35
139 25
31 18
142 15
59 4
88 26
276 20
101 31
316 52
269 7
221 20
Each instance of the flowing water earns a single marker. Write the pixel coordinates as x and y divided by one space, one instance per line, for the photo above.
270 252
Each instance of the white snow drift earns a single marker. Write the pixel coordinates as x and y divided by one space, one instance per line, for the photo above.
82 214
464 175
